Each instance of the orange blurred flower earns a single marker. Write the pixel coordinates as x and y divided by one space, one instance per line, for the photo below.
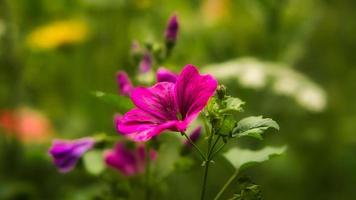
27 125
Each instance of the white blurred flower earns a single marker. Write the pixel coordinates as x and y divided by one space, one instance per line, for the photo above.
253 76
311 98
286 85
252 73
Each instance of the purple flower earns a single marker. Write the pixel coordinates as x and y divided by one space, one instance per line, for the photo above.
128 161
145 63
164 75
172 29
194 136
66 153
124 83
167 106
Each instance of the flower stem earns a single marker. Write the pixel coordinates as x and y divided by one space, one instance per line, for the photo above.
207 164
226 185
194 145
205 178
217 151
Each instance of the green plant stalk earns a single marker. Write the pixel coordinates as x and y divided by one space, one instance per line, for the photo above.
194 145
207 164
229 181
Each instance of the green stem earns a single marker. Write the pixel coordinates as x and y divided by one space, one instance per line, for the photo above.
218 150
205 179
216 141
226 185
207 164
194 145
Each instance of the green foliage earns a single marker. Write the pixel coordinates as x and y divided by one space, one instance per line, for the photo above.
247 190
253 127
244 158
168 156
117 101
93 162
232 105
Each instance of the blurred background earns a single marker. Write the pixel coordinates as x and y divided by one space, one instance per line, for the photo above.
291 60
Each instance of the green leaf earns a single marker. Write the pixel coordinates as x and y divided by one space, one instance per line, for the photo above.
247 190
244 158
227 126
117 101
253 127
233 105
93 162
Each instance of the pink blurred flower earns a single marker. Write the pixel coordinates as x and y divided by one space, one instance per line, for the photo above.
166 105
145 63
194 136
128 161
124 83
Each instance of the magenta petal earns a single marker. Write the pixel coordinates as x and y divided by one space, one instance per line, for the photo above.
124 83
128 161
164 75
121 159
158 100
193 91
139 125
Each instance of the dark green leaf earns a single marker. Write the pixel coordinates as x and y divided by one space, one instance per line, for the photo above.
247 190
253 127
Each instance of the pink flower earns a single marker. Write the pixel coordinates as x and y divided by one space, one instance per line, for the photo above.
145 63
128 161
124 83
164 75
167 105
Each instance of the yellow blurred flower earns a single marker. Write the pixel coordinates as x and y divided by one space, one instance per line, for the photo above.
57 34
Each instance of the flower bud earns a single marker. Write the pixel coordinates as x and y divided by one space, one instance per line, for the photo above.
221 92
172 31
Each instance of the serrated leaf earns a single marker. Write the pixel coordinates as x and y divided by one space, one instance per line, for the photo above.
244 158
253 127
117 101
247 190
93 162
233 104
